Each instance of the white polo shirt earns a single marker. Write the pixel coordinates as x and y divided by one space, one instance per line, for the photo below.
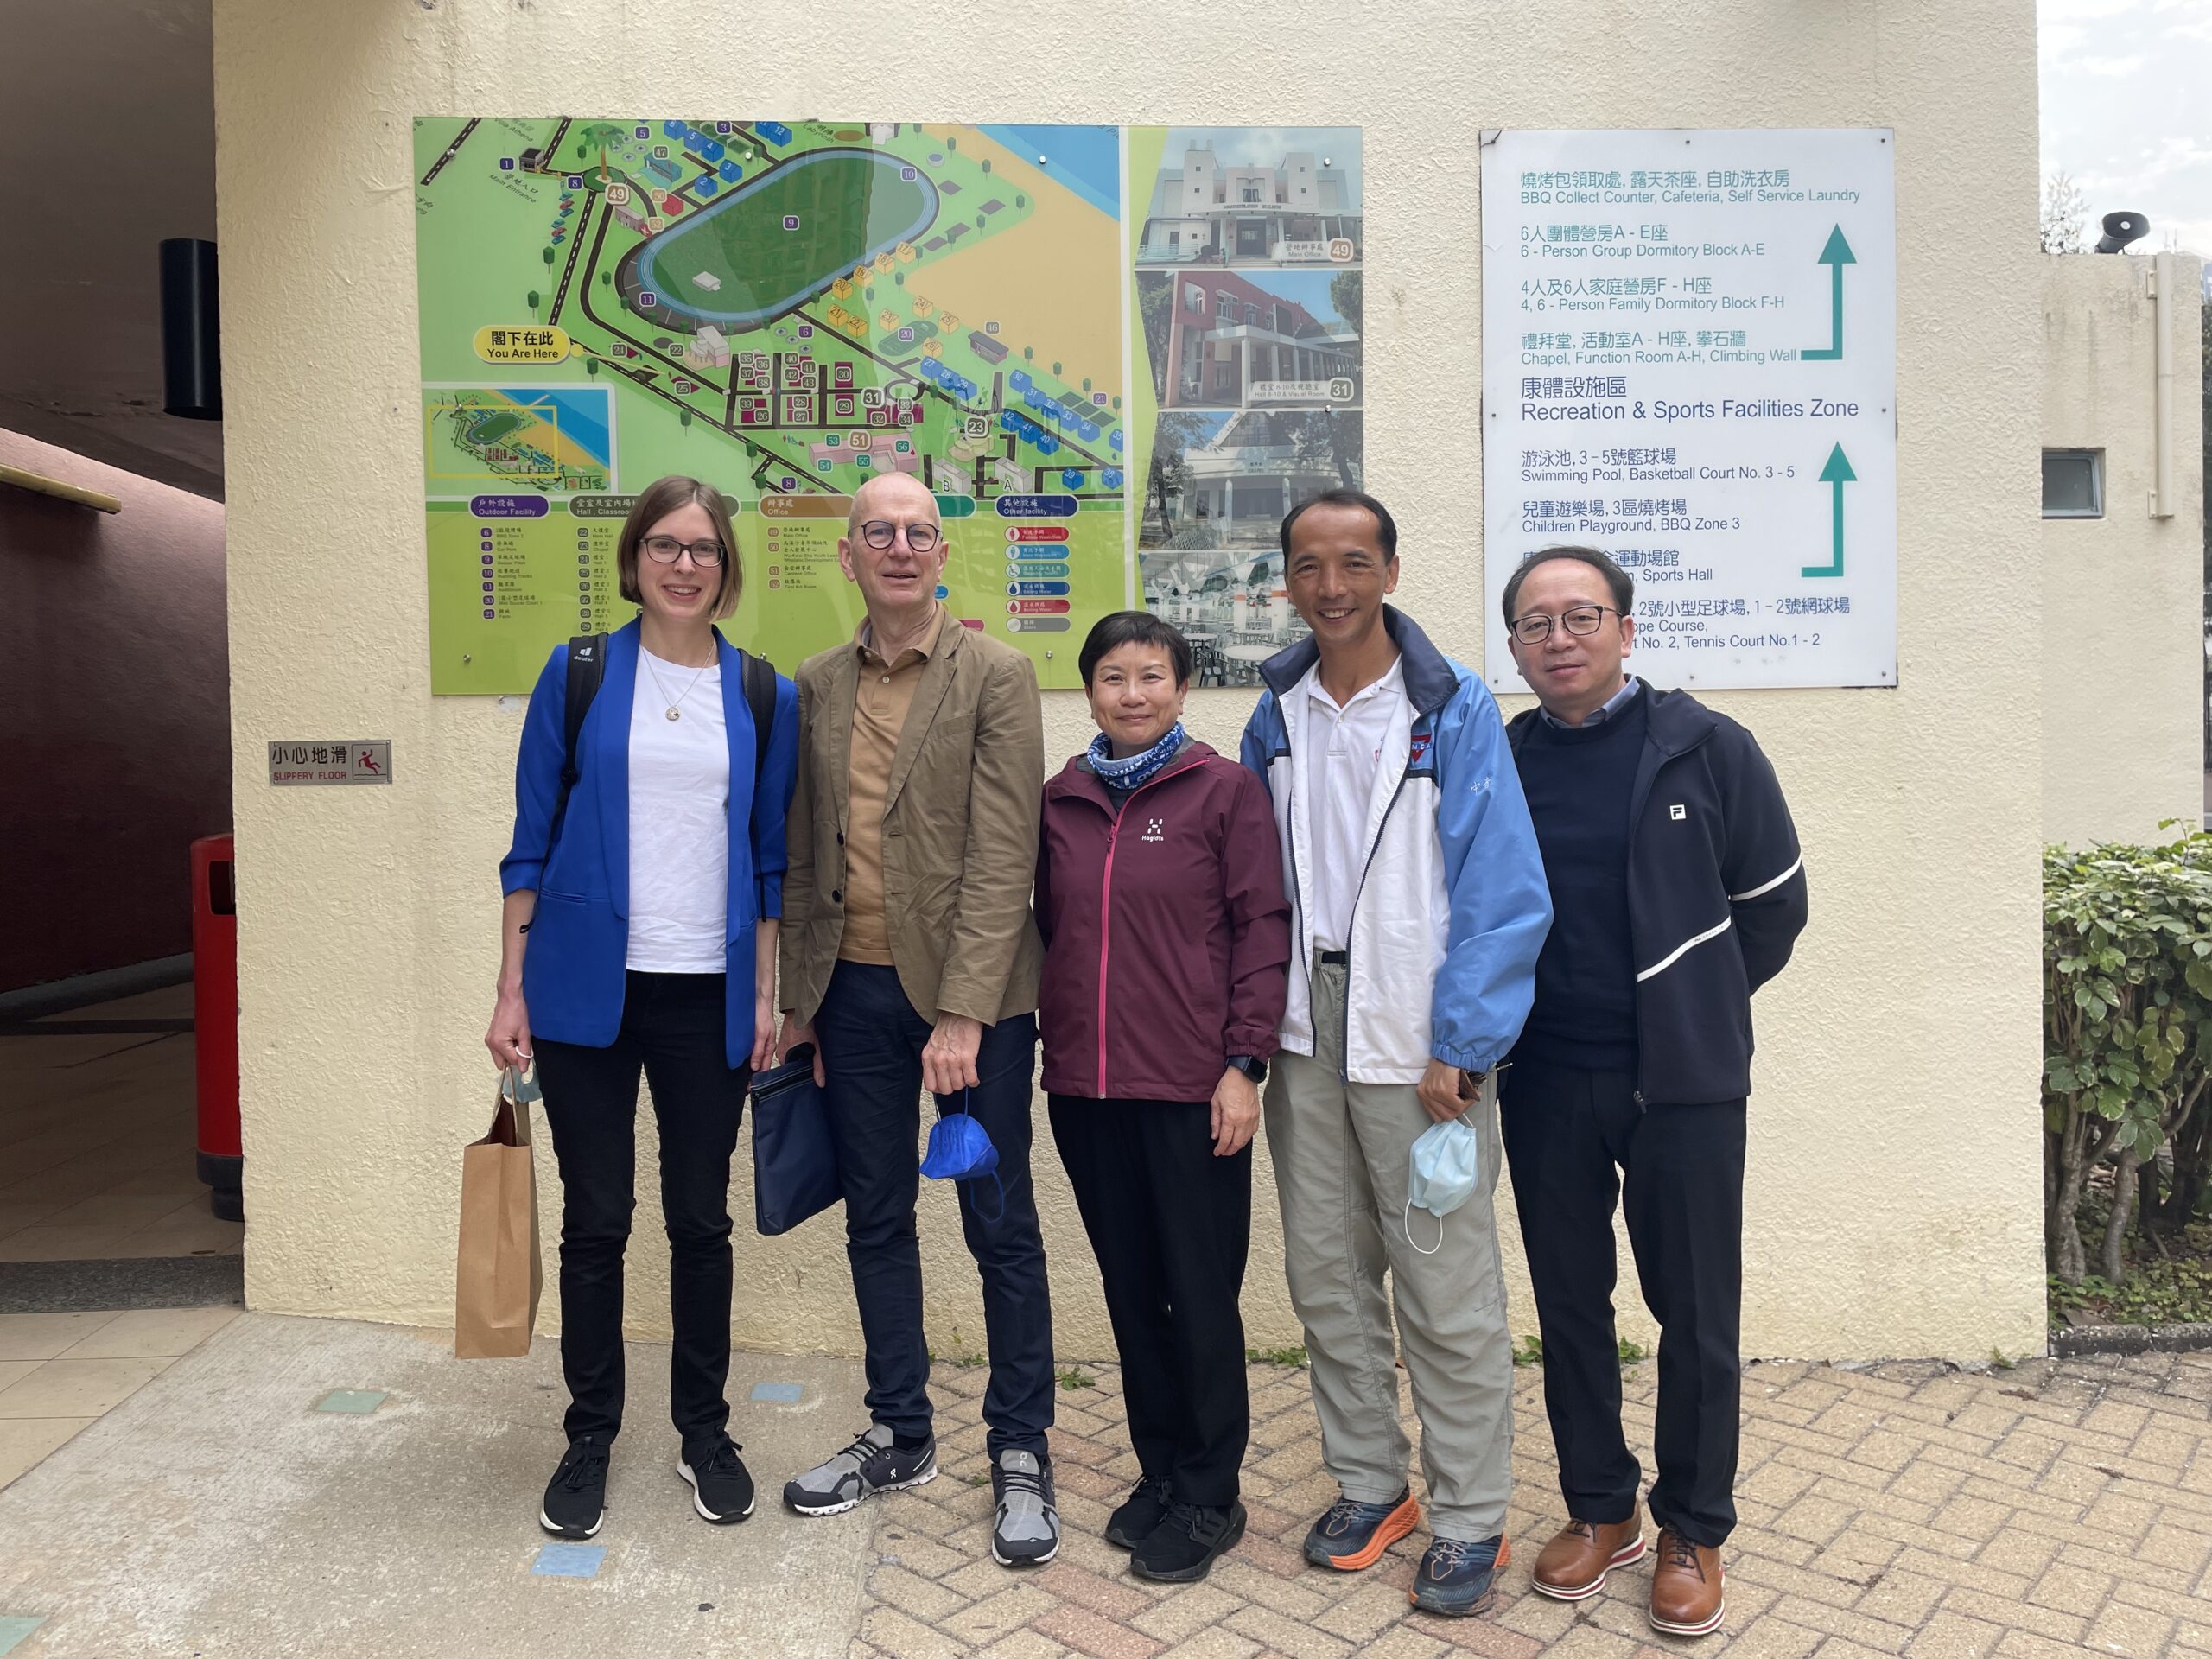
1339 751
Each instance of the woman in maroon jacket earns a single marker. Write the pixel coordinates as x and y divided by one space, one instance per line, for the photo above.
1167 934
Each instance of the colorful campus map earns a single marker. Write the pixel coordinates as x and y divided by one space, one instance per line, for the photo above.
783 309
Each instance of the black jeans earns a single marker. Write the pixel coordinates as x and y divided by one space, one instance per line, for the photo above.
1565 1131
871 1041
1170 1225
672 1028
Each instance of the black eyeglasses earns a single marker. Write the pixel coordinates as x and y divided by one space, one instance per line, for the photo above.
1579 619
879 533
666 550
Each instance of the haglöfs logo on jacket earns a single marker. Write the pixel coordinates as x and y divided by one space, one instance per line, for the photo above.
1152 829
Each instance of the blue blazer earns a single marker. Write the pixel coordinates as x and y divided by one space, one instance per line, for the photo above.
573 971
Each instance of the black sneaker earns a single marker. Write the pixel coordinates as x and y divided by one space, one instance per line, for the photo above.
722 1491
1182 1547
871 1463
1145 1508
576 1498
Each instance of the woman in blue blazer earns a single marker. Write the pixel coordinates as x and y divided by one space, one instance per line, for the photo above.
639 934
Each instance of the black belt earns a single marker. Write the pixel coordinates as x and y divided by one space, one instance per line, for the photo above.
1336 958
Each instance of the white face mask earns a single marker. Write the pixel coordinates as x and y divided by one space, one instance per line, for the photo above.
1440 1174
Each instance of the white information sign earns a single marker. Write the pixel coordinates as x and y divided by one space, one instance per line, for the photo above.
1689 361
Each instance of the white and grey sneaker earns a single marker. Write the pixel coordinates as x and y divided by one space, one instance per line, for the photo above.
870 1464
1027 1530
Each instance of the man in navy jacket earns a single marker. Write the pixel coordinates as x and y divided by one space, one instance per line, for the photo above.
1677 890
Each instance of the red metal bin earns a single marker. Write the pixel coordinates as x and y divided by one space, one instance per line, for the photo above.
215 1022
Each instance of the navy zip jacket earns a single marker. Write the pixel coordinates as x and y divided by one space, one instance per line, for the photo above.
1716 896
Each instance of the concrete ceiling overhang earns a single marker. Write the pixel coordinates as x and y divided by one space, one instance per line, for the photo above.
107 126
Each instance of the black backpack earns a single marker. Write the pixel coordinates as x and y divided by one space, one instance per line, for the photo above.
588 668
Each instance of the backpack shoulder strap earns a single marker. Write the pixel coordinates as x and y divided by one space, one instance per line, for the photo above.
759 676
586 668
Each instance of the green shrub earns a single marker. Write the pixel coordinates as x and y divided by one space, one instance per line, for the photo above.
2127 1041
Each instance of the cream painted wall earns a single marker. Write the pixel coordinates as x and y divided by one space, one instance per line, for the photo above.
2123 677
1894 1185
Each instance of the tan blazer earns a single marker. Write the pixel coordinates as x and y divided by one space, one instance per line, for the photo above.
960 824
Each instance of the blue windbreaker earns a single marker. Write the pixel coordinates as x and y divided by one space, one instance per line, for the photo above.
1451 908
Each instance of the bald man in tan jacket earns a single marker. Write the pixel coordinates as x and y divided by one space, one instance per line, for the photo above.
910 959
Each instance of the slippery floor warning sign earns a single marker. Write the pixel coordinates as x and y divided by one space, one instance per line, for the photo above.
356 761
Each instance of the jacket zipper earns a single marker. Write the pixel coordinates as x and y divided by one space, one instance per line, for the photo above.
1639 796
1106 914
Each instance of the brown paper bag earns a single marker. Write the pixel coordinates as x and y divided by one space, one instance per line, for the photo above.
498 1279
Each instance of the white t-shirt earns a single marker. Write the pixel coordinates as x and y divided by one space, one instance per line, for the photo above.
679 820
1339 750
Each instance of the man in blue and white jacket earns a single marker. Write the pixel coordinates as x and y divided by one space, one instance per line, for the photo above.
1419 908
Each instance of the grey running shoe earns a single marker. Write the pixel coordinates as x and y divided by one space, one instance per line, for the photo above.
870 1464
1027 1530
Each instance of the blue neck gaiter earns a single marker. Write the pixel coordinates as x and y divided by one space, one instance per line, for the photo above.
1138 769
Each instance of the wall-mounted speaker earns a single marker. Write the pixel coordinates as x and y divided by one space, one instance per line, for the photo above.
192 358
2120 229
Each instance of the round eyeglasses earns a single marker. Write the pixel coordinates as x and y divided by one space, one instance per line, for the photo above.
1579 619
879 533
666 550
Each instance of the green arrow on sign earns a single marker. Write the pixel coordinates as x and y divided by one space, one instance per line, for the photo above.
1835 475
1835 256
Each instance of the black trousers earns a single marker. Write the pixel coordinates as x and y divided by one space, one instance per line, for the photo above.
1170 1225
672 1029
1566 1132
872 1041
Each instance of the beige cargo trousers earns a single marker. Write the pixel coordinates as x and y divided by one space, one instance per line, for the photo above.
1340 1151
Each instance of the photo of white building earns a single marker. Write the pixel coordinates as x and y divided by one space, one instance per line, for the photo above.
1255 196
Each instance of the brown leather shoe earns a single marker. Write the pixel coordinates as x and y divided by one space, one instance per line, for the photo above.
1572 1566
1686 1595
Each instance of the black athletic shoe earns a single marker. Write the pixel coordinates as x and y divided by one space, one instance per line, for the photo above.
576 1498
1145 1508
1182 1547
722 1491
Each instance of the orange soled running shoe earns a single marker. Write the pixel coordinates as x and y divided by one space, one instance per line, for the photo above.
1351 1536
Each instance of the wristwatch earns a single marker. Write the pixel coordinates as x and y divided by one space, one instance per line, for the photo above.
1256 1070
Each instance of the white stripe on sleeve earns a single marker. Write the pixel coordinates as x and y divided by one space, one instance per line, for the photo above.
1768 887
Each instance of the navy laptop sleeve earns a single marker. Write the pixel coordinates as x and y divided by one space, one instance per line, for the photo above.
794 1162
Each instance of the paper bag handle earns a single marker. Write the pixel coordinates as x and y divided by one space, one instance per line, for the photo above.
511 1118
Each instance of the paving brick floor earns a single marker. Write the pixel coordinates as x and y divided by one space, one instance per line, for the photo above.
2061 1507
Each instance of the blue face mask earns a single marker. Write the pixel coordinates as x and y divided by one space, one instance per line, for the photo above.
960 1150
1440 1174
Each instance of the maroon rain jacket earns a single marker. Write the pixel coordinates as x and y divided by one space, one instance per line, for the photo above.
1167 929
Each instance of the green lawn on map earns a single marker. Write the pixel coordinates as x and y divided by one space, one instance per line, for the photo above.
847 207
